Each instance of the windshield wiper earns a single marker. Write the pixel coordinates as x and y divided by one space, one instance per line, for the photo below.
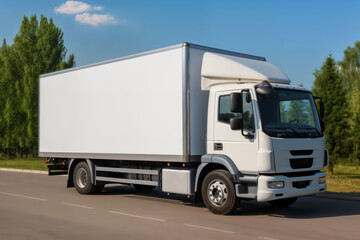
312 128
292 129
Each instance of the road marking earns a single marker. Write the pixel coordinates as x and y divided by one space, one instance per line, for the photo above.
266 238
208 228
23 196
137 216
76 205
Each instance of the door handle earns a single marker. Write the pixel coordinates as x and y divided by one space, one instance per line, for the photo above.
218 146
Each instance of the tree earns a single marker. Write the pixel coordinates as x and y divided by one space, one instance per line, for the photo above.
2 94
350 66
350 73
9 102
38 48
329 86
354 121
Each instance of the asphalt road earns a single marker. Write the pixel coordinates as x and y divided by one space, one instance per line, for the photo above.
36 206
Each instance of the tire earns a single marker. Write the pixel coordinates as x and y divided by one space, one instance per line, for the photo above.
82 179
143 187
286 202
218 192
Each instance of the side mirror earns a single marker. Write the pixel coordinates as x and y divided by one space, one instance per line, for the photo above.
264 88
322 125
236 102
236 123
322 109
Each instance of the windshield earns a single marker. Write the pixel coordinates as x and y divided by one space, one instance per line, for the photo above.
289 114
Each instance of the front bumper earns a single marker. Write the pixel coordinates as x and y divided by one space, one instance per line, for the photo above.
293 187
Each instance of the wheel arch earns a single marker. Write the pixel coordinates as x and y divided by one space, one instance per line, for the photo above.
210 162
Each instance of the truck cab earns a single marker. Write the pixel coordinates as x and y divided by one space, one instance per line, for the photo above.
269 129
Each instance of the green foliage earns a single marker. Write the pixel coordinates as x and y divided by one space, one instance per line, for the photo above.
346 178
329 86
23 163
9 107
38 48
339 86
350 73
350 66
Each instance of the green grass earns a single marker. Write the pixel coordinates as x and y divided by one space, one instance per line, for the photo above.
23 163
346 179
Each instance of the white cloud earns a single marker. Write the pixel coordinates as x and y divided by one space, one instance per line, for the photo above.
96 19
81 11
98 8
74 7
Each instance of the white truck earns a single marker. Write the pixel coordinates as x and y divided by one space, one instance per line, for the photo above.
217 125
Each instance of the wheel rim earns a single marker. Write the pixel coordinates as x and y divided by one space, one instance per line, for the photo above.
217 192
81 178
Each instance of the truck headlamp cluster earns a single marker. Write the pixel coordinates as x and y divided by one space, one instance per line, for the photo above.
276 184
322 180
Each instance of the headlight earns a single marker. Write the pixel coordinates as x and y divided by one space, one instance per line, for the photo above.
277 184
322 180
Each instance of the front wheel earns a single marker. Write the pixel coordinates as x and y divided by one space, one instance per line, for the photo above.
218 192
286 202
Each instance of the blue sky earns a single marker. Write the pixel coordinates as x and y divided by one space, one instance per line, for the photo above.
296 36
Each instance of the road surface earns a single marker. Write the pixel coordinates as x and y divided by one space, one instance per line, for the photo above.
37 206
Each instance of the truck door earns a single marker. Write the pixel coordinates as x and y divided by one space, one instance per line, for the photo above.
242 150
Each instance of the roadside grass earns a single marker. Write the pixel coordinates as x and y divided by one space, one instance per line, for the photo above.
23 163
346 179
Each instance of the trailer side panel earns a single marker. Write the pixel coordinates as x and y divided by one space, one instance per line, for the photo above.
129 110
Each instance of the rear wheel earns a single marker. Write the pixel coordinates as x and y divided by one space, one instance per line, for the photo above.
218 192
82 179
143 187
283 202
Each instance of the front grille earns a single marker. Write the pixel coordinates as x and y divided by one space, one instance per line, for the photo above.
301 184
297 163
301 152
299 174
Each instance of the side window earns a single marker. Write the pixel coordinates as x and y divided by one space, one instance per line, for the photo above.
225 114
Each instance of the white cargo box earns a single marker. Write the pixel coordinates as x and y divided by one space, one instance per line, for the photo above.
143 107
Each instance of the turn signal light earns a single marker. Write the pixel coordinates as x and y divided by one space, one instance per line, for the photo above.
322 180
